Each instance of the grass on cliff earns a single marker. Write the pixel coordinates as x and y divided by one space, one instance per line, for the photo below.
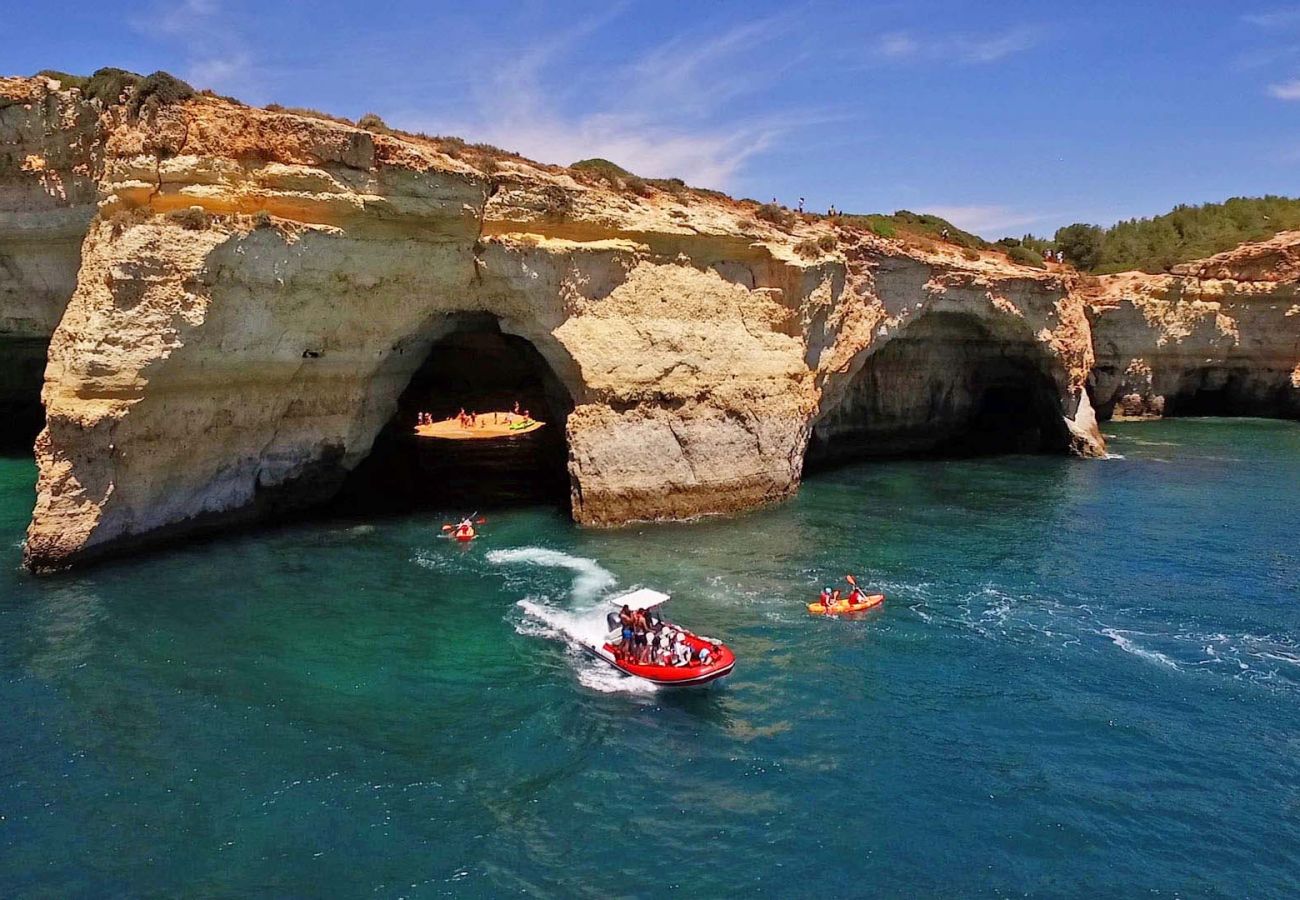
913 227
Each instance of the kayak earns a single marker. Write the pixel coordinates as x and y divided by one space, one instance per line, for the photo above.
871 601
690 675
464 537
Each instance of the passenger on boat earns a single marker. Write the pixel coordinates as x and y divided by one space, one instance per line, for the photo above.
629 635
706 654
641 645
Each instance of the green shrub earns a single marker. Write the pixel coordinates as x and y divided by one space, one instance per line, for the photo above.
807 249
1026 257
883 228
68 81
827 243
107 85
968 253
777 215
1008 242
372 122
194 218
159 89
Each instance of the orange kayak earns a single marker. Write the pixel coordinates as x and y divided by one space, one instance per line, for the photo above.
871 601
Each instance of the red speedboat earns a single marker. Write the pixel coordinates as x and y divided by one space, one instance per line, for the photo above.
720 658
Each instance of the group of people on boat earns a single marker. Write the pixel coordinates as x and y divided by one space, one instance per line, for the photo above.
650 641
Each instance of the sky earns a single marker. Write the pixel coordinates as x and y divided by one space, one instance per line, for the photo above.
1005 117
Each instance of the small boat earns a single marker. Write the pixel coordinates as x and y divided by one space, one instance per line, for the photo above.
843 606
691 675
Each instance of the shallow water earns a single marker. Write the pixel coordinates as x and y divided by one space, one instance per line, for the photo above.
1086 679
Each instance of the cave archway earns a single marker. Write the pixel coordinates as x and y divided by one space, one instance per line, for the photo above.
946 385
476 366
1227 390
22 372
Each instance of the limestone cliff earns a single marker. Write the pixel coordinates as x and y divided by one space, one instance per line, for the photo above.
256 289
48 169
1220 336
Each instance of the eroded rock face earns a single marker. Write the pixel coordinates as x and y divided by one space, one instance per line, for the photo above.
49 147
256 291
1219 337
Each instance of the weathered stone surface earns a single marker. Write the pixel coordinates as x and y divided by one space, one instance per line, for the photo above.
1221 336
256 289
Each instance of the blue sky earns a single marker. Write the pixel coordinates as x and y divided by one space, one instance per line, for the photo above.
1004 117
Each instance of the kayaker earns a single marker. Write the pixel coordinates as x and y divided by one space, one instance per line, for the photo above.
826 597
835 597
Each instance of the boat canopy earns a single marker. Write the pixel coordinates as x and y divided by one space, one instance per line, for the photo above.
642 598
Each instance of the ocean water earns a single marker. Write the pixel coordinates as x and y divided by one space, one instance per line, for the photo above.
1085 681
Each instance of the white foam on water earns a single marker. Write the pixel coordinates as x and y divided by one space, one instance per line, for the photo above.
583 622
590 578
1114 456
1119 639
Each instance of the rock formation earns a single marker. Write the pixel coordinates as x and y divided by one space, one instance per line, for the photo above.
1220 336
256 289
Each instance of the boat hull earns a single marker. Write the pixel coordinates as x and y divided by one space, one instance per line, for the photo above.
668 676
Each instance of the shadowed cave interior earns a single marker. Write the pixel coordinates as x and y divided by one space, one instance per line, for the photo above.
479 368
946 386
22 371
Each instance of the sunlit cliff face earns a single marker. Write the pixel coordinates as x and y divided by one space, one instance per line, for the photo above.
263 301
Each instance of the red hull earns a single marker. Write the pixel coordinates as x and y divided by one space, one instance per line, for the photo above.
675 676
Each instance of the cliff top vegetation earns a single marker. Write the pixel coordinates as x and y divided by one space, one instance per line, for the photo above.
1159 243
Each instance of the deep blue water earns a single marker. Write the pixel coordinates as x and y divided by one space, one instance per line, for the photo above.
1085 681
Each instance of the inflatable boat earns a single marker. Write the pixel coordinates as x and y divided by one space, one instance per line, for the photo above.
843 606
691 675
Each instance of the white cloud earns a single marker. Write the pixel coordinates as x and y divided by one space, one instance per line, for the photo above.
971 49
987 220
1286 90
671 111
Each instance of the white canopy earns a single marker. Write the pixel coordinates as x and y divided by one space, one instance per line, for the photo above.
642 598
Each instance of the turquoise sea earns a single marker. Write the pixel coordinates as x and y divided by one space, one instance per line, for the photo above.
1085 682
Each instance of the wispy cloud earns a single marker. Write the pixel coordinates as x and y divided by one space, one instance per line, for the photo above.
1285 90
215 54
971 49
988 220
1277 18
669 111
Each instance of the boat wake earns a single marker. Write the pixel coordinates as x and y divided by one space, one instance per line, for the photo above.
581 620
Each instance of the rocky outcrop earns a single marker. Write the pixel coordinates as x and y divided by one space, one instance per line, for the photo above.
1217 337
48 171
256 290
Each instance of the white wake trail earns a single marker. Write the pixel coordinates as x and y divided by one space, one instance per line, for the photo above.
583 622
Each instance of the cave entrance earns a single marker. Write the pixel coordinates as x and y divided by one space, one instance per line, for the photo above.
947 385
476 366
22 372
1228 391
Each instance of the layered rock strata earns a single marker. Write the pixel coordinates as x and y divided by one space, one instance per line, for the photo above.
256 289
1220 336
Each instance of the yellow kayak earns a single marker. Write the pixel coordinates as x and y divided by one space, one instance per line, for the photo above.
871 601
